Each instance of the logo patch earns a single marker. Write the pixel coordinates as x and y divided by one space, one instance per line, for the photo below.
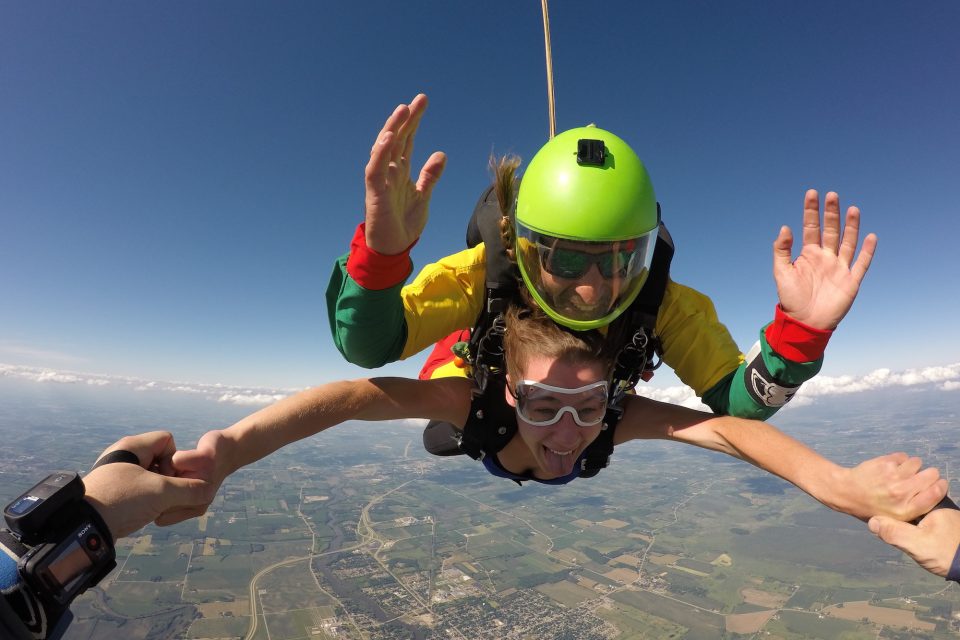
769 393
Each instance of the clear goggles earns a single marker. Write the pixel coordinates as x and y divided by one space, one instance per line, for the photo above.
542 405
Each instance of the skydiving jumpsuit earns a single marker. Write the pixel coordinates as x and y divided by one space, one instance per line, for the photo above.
375 320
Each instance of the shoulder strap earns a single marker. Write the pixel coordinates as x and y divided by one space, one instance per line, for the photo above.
484 226
597 455
633 334
651 296
491 422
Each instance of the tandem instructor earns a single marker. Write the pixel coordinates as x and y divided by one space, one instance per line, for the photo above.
60 535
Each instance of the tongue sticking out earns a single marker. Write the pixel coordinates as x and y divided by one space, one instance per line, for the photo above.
558 463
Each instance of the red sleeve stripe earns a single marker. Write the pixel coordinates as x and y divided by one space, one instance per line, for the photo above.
376 271
795 340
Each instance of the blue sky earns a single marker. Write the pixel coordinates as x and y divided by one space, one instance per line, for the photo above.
177 178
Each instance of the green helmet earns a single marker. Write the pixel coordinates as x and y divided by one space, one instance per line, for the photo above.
586 227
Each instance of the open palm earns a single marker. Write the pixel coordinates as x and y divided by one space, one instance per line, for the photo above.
819 287
396 207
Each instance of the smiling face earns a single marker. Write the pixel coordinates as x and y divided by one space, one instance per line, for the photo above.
588 287
552 450
583 284
538 350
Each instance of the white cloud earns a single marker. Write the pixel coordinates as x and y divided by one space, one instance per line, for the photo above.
53 376
247 398
680 395
882 378
944 378
217 392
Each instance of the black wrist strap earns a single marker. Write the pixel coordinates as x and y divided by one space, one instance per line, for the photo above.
118 455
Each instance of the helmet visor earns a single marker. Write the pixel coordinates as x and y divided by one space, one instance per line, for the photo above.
542 405
581 284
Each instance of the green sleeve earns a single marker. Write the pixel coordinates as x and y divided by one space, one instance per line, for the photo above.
368 326
732 395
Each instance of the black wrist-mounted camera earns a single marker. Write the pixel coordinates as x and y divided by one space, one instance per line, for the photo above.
71 546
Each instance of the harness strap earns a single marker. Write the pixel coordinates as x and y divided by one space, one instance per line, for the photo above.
491 423
656 284
597 455
484 226
635 330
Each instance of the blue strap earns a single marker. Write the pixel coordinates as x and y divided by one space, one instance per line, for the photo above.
954 573
10 551
9 576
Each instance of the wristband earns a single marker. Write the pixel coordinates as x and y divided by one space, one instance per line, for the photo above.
117 455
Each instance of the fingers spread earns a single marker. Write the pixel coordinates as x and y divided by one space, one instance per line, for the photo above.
867 251
811 218
851 235
408 131
379 159
782 248
831 222
431 172
392 125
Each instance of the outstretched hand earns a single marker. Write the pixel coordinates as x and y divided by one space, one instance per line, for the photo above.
892 485
819 287
932 543
129 496
396 207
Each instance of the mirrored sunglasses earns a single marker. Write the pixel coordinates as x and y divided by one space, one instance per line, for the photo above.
564 262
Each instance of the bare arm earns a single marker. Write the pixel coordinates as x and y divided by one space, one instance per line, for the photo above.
889 485
314 410
221 452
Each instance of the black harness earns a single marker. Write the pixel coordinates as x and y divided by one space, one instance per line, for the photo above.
492 422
